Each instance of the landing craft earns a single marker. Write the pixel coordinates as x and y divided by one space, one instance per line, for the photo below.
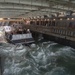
15 32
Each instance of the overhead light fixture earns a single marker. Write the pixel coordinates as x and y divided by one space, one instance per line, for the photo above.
54 19
1 18
8 18
38 16
47 19
60 18
68 18
24 18
72 18
37 19
34 17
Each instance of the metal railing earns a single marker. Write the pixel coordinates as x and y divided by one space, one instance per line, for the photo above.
62 32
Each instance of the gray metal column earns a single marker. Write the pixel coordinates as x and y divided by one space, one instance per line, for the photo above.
1 68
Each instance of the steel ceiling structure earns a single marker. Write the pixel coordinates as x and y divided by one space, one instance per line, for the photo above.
29 8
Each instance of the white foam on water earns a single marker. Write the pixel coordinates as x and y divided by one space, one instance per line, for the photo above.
32 45
57 71
14 53
47 42
40 58
65 50
52 54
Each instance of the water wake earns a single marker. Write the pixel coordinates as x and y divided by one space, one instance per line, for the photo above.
45 58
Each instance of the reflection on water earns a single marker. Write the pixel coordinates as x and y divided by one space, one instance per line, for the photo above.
46 58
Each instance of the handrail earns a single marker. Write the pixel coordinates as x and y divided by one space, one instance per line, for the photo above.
69 33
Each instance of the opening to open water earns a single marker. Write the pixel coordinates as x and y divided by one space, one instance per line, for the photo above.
44 58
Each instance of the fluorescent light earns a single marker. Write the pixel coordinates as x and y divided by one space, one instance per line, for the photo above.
1 18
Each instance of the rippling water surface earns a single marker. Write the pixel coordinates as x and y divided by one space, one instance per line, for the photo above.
45 58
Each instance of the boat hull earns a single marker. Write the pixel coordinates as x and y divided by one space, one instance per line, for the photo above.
21 38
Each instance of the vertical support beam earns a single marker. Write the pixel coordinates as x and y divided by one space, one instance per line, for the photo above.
0 66
2 59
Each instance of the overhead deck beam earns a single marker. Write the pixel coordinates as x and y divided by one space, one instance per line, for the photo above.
27 6
19 7
64 3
